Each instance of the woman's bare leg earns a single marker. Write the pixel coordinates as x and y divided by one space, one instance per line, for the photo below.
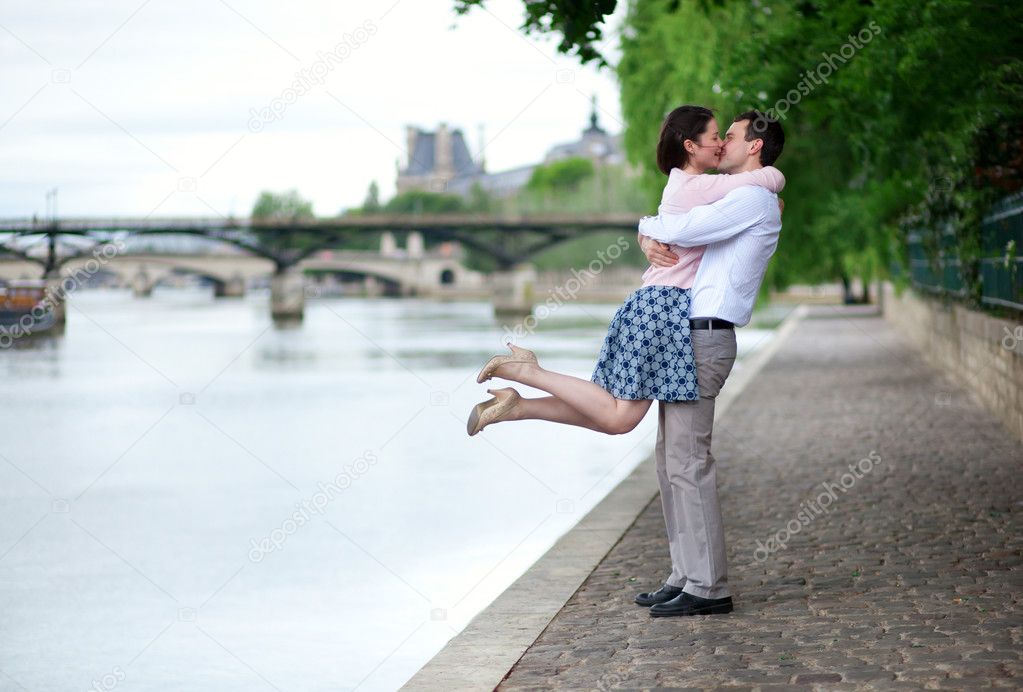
550 408
606 413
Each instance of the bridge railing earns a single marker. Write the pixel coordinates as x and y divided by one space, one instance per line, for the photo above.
381 222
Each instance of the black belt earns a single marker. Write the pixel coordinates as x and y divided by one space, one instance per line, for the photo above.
714 323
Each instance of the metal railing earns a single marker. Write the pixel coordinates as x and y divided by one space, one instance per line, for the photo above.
1001 268
935 267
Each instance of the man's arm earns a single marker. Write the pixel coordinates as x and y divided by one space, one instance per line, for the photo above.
658 254
738 211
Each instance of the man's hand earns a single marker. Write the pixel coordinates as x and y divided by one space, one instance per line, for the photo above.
657 253
781 206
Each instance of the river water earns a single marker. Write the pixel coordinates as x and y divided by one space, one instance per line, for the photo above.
191 498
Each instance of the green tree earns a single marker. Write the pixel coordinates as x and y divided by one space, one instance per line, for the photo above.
287 212
480 201
560 176
424 202
913 125
884 139
371 205
579 23
282 207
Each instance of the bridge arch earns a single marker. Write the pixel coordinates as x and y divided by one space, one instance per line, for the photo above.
228 274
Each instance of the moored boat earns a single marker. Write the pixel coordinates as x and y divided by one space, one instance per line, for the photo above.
19 300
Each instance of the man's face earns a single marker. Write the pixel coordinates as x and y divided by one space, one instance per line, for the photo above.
735 150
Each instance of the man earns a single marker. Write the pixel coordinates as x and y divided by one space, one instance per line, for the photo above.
741 233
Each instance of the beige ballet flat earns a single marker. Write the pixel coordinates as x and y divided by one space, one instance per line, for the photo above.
490 411
519 355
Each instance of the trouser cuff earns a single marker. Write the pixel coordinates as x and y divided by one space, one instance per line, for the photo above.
703 592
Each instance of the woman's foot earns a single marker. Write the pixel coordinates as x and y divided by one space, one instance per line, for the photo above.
493 410
508 367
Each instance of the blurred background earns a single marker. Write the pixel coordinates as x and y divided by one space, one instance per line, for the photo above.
253 255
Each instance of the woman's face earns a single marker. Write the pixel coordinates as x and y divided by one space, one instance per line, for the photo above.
705 152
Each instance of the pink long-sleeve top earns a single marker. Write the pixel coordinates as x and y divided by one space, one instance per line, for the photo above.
685 191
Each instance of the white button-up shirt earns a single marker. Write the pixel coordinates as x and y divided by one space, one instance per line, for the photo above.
741 233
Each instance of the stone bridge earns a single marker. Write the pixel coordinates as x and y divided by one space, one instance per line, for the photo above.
510 242
407 272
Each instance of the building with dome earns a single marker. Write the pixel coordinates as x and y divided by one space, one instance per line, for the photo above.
440 161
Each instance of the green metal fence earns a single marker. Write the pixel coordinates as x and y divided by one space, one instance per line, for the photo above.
1001 269
934 266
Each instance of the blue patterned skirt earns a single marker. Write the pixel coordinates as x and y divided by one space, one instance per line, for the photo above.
648 351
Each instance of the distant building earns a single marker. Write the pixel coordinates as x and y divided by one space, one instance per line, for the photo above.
595 144
435 159
440 161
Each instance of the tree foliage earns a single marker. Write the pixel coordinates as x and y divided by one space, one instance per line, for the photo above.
371 205
579 23
912 125
424 202
560 176
281 209
891 110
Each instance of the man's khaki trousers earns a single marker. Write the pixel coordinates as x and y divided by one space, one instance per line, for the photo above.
687 474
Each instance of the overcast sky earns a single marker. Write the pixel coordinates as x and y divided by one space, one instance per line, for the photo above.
151 106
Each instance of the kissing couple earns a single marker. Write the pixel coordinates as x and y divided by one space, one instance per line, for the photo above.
673 339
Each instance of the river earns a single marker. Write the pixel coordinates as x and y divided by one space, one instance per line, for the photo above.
195 499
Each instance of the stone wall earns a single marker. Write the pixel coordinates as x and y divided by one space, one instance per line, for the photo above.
981 352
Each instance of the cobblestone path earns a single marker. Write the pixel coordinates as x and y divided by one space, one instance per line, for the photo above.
909 578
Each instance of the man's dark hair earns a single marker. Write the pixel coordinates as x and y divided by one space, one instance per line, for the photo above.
685 122
766 128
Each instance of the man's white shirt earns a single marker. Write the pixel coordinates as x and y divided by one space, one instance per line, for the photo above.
741 233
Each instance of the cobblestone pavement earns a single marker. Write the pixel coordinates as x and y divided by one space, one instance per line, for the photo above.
910 578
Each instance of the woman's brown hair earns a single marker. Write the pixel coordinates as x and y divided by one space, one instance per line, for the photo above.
685 122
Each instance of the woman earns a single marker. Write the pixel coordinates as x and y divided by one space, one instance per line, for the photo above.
647 353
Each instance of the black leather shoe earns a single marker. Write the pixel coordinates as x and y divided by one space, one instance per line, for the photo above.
688 604
663 594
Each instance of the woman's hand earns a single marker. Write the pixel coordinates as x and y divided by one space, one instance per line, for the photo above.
657 253
781 206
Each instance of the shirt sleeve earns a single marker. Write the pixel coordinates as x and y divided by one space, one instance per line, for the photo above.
717 186
736 212
768 176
